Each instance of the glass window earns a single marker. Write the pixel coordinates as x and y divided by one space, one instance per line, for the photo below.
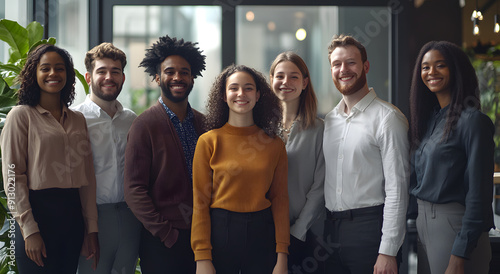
68 23
265 31
136 28
15 11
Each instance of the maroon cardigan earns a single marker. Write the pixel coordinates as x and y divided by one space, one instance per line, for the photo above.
157 184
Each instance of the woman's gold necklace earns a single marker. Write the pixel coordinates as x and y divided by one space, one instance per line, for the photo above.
287 130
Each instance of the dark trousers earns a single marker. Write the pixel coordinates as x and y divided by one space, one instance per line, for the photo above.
58 213
156 258
243 242
354 239
307 256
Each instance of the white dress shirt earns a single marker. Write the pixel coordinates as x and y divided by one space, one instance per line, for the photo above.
108 137
367 163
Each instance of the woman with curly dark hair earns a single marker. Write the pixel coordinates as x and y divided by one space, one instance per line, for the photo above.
452 149
47 168
240 206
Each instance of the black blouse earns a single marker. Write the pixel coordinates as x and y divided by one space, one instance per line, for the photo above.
458 169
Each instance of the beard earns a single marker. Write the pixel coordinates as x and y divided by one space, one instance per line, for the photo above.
165 90
357 85
96 89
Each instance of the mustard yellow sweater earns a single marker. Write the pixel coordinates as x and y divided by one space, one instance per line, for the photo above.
239 169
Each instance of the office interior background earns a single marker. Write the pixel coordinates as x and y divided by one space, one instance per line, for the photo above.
253 32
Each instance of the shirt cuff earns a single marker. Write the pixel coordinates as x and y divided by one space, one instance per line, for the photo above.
27 224
388 249
92 226
171 237
298 232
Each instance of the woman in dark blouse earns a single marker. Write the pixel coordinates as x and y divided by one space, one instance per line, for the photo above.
452 150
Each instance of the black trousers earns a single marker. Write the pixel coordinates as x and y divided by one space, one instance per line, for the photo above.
353 240
243 242
58 213
308 256
156 258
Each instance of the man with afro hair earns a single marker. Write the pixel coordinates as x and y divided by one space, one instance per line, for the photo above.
159 156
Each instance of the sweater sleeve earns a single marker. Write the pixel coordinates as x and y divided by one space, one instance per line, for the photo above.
278 195
14 143
138 162
202 192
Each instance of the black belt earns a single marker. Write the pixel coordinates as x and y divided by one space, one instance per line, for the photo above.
353 213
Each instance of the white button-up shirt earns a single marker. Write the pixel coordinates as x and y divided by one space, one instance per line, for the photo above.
108 137
367 163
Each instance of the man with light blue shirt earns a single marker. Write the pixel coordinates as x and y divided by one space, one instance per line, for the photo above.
108 125
367 170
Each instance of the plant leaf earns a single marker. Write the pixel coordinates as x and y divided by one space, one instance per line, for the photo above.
7 95
82 80
35 32
10 67
15 35
51 41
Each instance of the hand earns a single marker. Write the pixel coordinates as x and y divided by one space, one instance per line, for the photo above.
455 265
385 265
93 248
281 266
35 248
205 267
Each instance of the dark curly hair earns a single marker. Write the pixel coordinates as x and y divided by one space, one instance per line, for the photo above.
167 46
29 92
266 113
463 86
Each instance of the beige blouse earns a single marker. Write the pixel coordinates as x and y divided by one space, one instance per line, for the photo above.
39 152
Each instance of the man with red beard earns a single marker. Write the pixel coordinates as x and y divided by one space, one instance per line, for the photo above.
108 124
367 170
159 157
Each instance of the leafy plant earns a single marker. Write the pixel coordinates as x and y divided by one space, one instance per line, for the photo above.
487 66
21 41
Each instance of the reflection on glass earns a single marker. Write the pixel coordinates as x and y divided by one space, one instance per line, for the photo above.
68 23
308 31
136 28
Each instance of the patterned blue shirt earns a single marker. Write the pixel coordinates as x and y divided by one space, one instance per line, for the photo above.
187 134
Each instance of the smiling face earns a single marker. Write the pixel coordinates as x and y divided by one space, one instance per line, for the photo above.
106 79
435 73
175 78
288 82
348 69
51 73
241 93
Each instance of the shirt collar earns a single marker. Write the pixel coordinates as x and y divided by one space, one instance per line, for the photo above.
171 114
360 106
97 110
64 113
42 110
365 101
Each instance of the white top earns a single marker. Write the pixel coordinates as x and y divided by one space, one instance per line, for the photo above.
108 137
306 177
367 163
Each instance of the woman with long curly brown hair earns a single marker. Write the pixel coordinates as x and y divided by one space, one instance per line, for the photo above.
48 169
240 205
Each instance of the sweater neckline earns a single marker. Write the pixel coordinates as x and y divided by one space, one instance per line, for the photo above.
240 130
